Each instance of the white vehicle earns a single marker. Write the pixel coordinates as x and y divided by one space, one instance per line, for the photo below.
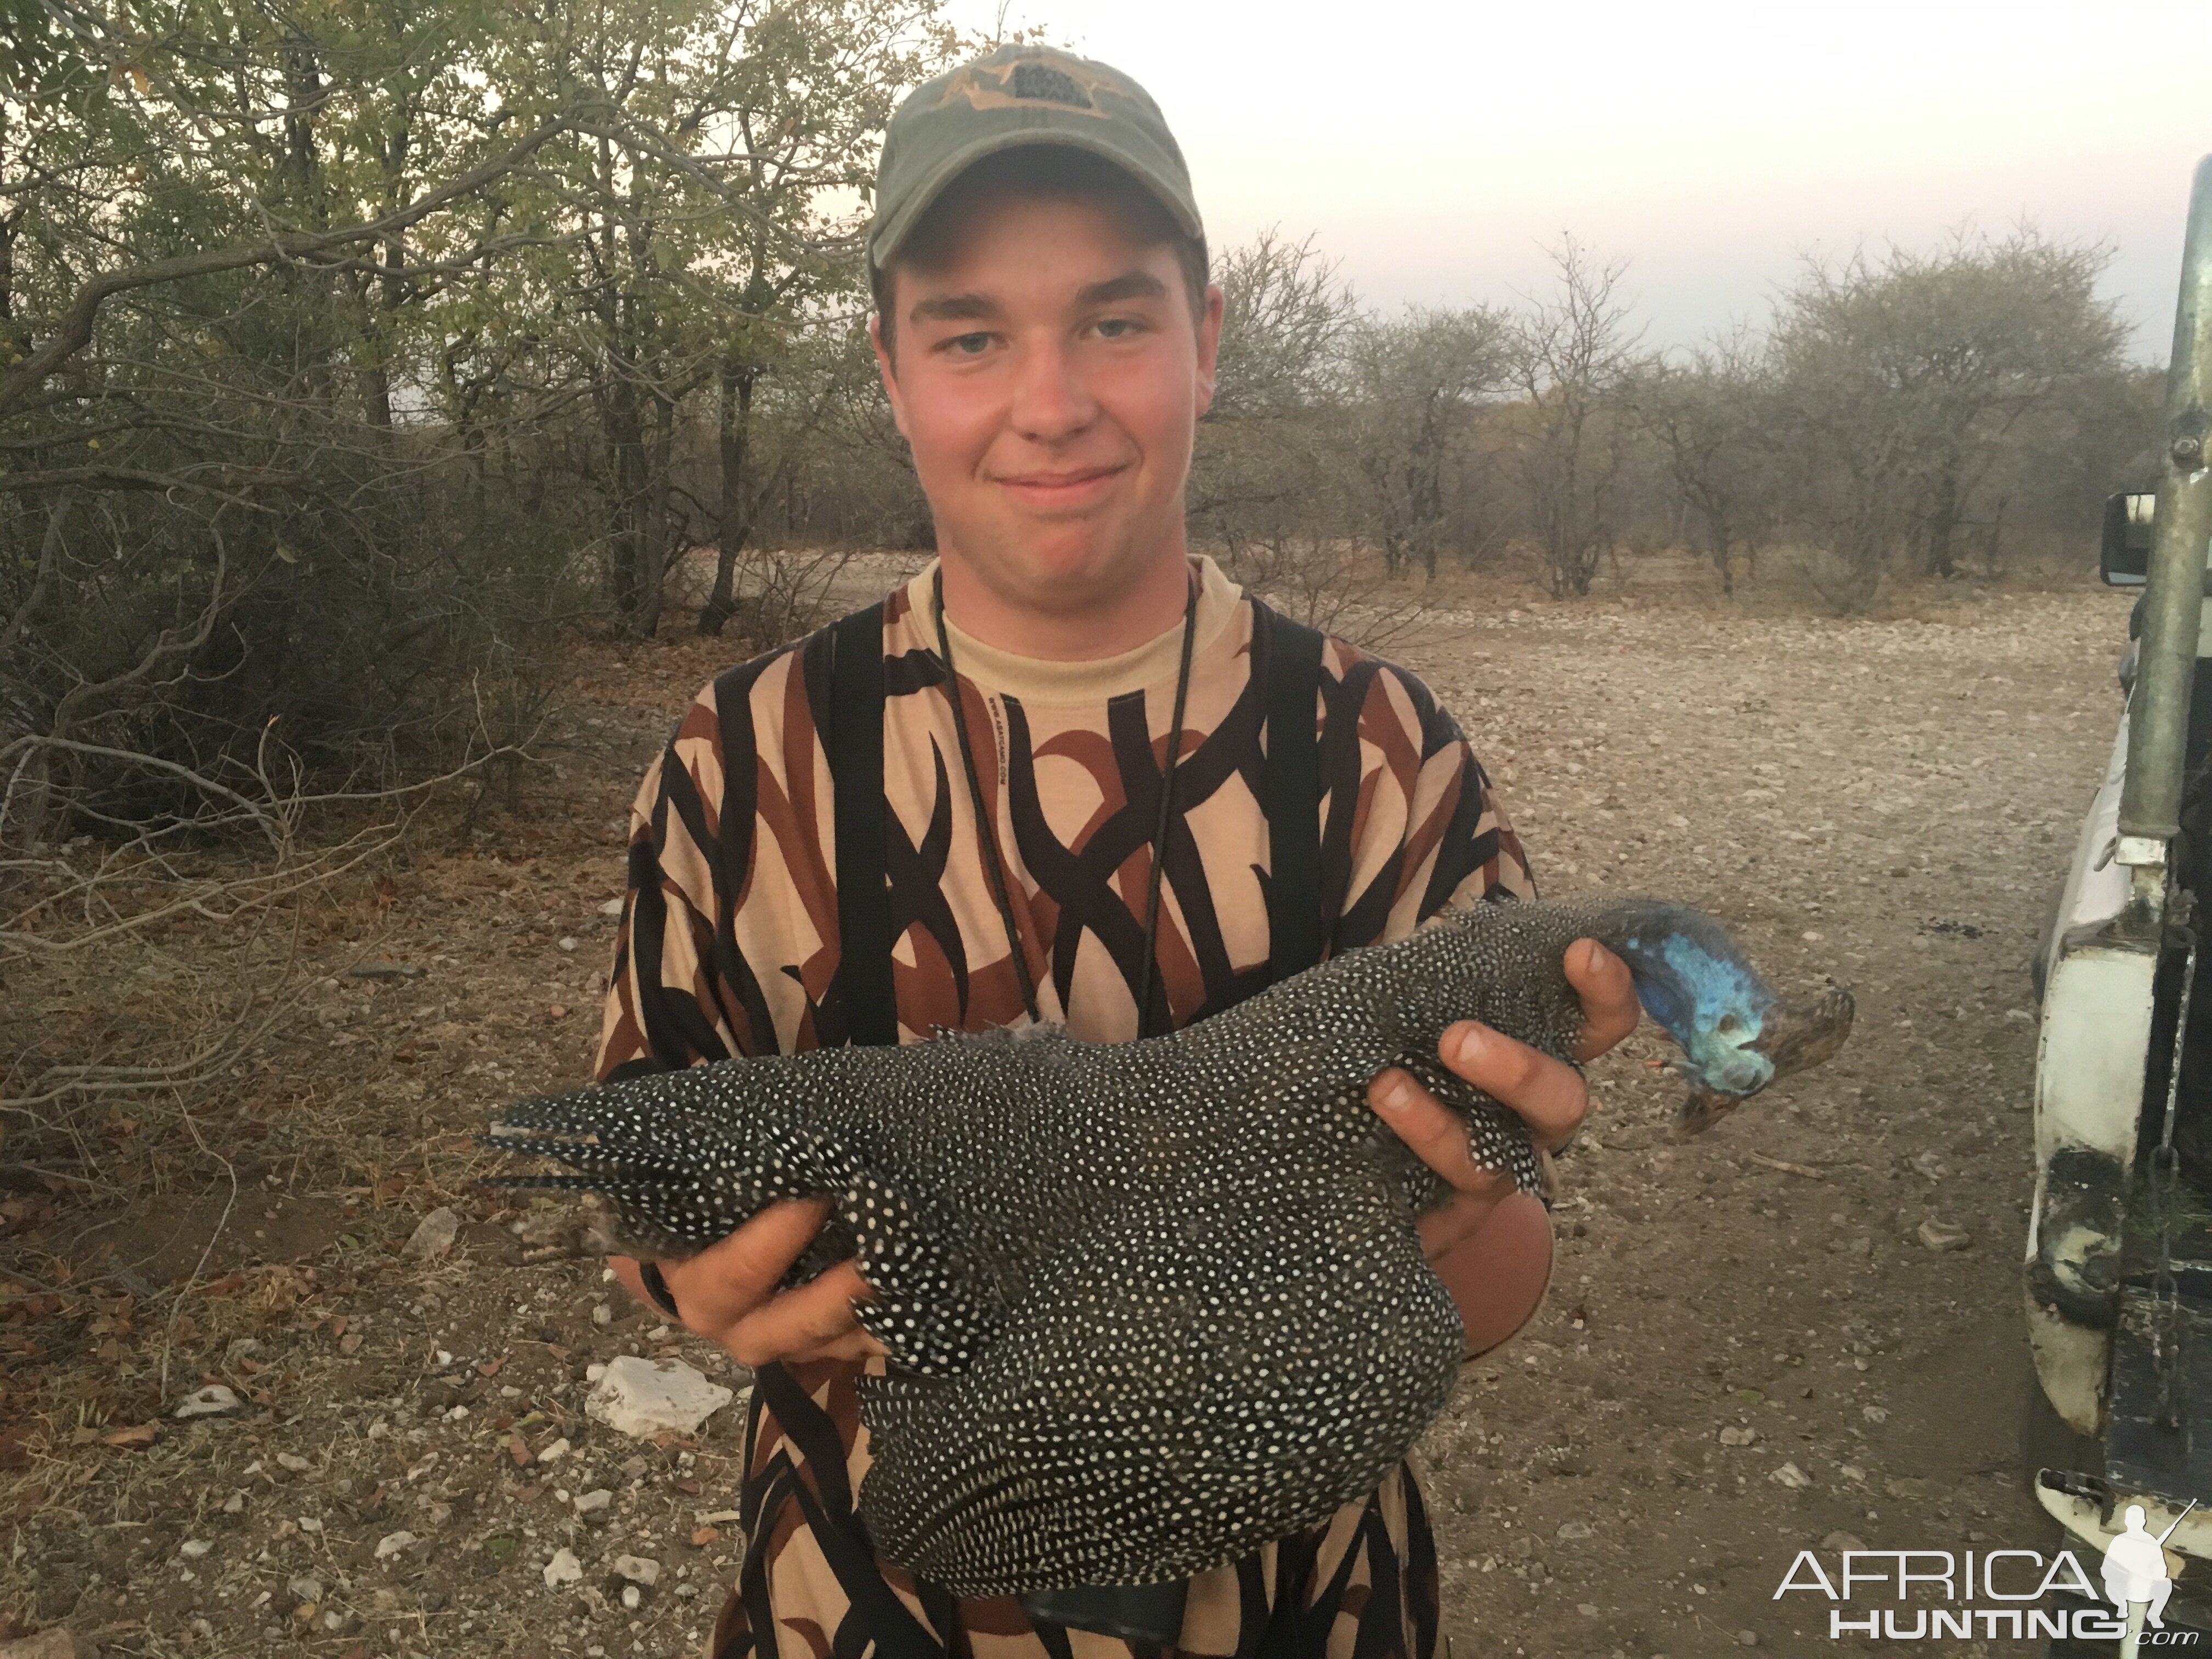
2120 1246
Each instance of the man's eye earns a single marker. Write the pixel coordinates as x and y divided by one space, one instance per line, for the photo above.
1117 328
969 346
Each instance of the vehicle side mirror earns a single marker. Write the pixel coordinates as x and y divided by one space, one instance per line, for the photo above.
2123 559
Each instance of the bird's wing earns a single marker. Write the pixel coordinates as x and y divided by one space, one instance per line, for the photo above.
1206 1371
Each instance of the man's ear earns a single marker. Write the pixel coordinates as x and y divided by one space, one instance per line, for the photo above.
1209 346
890 375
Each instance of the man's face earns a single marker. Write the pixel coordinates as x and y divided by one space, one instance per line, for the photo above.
1048 375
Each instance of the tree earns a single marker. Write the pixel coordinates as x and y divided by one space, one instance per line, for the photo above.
1571 357
1415 386
1710 413
346 347
1266 472
707 203
1286 317
1906 379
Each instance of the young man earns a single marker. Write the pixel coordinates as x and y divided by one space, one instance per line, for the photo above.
1095 804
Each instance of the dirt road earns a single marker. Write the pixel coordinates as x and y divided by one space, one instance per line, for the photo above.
1746 1349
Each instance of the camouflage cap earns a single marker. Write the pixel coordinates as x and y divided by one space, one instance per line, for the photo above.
1018 95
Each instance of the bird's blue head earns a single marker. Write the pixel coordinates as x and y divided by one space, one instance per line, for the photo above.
1691 978
1735 1034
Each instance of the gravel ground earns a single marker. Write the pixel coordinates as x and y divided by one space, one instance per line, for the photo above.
1747 1348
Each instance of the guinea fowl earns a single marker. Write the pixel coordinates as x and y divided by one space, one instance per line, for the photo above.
1149 1305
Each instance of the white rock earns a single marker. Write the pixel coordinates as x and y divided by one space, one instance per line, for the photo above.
293 1461
590 1502
433 1235
643 1397
563 1569
391 1543
304 1588
569 941
1573 1532
612 907
555 1452
638 1569
213 1401
308 1523
1791 1476
194 1548
1735 1437
631 1597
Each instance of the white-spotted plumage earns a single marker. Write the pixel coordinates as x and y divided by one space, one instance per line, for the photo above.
1149 1305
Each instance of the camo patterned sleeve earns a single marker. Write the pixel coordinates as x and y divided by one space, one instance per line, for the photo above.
728 948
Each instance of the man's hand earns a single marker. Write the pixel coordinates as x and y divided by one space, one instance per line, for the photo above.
727 1291
1551 1099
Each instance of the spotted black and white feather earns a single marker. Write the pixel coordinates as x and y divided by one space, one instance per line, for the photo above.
1149 1305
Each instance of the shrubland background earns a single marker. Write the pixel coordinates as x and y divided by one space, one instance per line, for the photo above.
360 358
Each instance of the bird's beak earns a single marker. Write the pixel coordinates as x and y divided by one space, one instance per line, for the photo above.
1802 1034
1795 1036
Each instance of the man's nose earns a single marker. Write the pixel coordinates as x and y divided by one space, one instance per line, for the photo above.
1051 401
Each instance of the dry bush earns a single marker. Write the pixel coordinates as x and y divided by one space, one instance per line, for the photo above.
1330 584
148 963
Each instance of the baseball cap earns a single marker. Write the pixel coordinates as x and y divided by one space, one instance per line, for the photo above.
1018 95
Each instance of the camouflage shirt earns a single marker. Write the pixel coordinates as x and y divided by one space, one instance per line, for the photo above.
729 947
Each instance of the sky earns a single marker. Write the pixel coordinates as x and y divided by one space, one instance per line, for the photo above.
1436 148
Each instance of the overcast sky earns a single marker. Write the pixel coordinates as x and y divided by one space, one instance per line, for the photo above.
1436 148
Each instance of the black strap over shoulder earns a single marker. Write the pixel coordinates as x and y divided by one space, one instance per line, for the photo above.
856 772
1293 797
1292 663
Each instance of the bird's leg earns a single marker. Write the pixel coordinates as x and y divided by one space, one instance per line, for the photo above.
1702 1108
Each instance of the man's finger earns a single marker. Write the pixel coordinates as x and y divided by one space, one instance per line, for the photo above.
743 1269
854 1345
1547 1094
1608 991
818 1312
1437 1134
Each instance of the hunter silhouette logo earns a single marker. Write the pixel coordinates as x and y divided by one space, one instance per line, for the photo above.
2135 1566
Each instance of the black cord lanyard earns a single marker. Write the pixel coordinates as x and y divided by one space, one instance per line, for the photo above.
986 832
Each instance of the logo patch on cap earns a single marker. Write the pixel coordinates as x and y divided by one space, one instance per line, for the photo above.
1052 85
1043 78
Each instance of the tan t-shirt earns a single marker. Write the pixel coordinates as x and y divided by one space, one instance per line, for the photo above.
729 947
